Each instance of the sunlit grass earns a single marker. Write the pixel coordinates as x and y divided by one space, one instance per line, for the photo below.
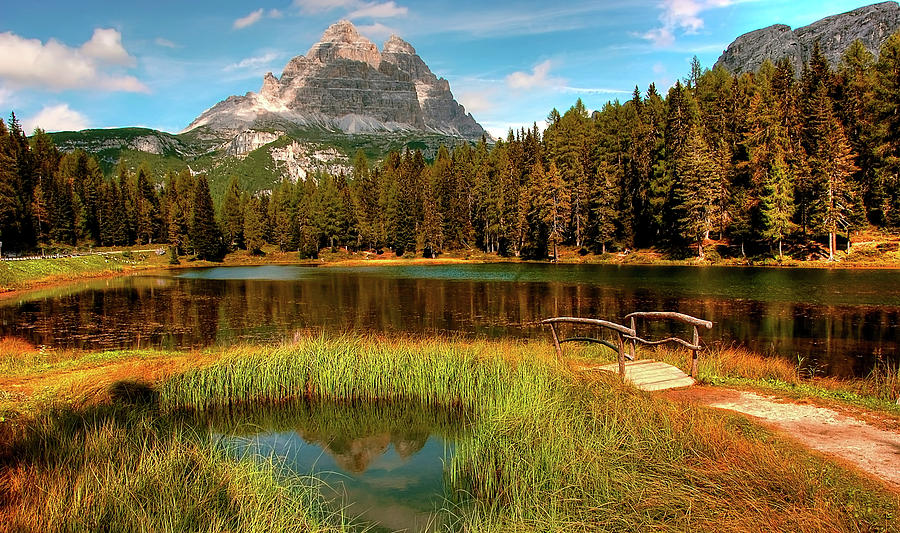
546 448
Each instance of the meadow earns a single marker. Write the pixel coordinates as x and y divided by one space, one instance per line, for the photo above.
547 448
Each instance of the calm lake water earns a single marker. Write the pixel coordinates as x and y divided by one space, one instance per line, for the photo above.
838 322
382 465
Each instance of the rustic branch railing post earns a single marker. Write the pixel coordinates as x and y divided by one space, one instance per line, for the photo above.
696 343
693 346
621 355
633 342
556 341
622 333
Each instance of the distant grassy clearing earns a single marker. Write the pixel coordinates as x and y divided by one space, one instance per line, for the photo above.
547 450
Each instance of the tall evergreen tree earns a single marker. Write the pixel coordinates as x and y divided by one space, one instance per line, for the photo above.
233 215
206 238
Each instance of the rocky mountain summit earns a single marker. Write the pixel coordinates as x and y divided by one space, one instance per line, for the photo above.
870 24
345 83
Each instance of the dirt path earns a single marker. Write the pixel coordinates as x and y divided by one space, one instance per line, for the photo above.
874 450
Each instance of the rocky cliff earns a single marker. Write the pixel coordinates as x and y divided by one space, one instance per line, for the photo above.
345 83
870 24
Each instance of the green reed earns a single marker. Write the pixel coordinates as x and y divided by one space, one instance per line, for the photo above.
544 448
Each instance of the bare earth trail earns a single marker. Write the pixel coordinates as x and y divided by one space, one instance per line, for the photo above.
874 450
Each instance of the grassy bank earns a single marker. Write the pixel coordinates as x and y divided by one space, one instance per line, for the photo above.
16 275
19 275
546 450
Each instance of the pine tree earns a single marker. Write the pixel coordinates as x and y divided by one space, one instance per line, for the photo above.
233 215
697 175
886 137
146 207
853 105
432 223
555 208
604 205
253 226
833 165
777 203
206 239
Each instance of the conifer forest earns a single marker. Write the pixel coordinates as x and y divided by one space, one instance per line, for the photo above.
766 162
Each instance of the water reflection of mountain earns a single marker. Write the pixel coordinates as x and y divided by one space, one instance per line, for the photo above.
355 454
381 462
176 312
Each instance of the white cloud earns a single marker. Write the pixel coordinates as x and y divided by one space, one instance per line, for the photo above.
55 66
165 43
321 6
357 9
249 20
56 118
256 16
476 101
106 45
681 16
252 62
539 77
377 10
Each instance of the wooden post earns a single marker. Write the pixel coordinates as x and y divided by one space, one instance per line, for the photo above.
621 355
556 341
633 342
696 342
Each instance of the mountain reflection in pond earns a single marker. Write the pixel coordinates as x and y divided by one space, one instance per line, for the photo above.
382 464
839 320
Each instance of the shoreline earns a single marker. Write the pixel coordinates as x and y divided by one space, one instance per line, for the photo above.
358 259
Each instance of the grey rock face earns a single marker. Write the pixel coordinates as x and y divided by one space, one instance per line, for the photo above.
345 83
870 24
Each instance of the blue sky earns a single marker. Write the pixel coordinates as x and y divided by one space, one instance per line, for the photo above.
71 65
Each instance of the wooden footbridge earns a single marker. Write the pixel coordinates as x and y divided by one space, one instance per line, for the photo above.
645 374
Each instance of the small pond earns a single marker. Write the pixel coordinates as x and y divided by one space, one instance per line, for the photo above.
382 465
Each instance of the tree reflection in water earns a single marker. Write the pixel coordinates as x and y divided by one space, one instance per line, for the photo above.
840 321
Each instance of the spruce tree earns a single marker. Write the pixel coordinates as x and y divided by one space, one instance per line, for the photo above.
555 208
777 203
886 138
253 226
833 165
432 223
604 205
697 175
233 215
206 239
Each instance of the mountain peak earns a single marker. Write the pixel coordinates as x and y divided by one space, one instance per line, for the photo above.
345 83
342 41
396 45
871 24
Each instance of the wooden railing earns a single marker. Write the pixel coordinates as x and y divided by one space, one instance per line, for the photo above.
624 333
693 346
621 331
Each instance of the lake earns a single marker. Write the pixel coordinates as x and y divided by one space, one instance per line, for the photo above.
837 322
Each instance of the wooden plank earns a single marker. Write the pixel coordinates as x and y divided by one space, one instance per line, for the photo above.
686 381
650 375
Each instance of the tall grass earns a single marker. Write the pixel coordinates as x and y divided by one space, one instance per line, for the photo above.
132 470
544 450
434 373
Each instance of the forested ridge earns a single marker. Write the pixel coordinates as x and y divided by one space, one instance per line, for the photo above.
757 161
